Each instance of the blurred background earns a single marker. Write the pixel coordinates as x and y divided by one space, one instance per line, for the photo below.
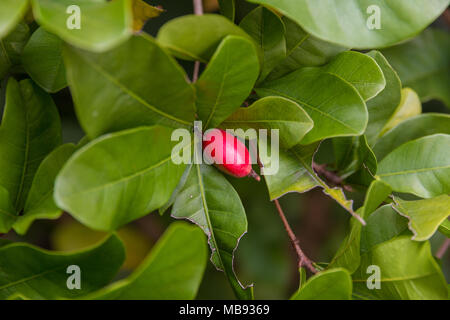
264 256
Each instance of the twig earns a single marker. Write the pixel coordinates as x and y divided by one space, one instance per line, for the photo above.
443 248
330 176
198 10
303 260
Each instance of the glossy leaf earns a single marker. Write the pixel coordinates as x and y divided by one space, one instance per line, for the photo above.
209 200
383 106
40 203
303 50
11 48
228 8
335 106
351 154
192 37
444 228
7 212
409 107
103 24
111 96
42 274
11 12
411 129
173 270
420 167
383 225
223 87
349 23
273 113
268 31
30 130
360 70
376 194
334 284
424 216
423 64
118 178
348 254
407 269
49 73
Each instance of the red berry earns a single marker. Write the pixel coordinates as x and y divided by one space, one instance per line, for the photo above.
228 153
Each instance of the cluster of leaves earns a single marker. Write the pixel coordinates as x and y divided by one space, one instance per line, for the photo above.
291 61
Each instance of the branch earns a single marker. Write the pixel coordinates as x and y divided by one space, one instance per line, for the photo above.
198 10
303 260
330 176
443 249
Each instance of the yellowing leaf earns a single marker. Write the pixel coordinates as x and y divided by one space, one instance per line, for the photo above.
142 12
409 106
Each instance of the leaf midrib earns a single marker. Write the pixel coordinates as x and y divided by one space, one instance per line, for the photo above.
131 93
122 179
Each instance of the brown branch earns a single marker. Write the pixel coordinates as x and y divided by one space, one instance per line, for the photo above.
443 249
303 260
321 169
198 10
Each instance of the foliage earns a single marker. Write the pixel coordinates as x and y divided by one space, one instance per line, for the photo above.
291 65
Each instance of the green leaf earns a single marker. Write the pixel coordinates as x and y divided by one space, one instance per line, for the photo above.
383 106
223 86
408 271
210 201
347 22
228 8
30 130
40 203
111 96
411 129
420 167
295 174
334 284
193 37
382 225
423 64
335 106
424 216
7 212
119 177
11 12
376 194
360 70
42 274
444 228
49 73
172 271
103 24
409 107
273 113
348 255
268 31
11 48
303 50
351 154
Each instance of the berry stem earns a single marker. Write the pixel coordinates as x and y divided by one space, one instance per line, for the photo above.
254 175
